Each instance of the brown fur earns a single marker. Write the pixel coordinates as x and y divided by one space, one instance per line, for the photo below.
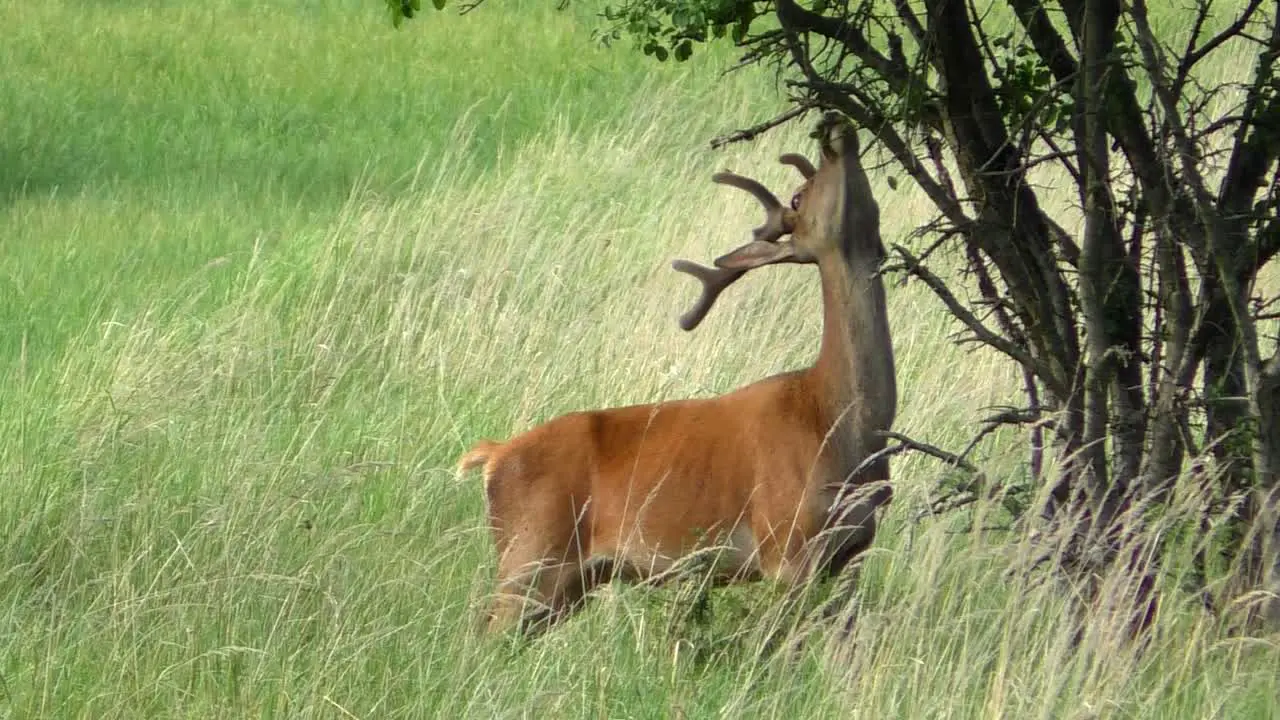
477 456
624 492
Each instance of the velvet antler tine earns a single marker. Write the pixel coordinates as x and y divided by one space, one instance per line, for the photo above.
778 219
714 281
761 193
799 162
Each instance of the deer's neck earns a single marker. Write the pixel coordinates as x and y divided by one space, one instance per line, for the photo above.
854 374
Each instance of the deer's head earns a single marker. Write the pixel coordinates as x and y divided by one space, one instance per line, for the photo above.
833 217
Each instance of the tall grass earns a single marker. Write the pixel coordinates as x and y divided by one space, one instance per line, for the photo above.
242 350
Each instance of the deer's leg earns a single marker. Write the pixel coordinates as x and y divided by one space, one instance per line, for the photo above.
543 575
538 600
850 545
844 544
848 534
536 596
543 569
824 555
791 566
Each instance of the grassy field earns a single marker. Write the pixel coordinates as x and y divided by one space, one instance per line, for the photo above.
268 267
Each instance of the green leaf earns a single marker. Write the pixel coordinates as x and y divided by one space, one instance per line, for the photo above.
683 51
438 3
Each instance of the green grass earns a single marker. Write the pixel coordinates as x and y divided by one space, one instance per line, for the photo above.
257 292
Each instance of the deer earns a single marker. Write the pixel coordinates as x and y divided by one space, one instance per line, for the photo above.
783 476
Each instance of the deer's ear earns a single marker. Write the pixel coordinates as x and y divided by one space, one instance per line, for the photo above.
757 253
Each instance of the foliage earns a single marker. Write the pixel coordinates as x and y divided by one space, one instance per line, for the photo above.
660 28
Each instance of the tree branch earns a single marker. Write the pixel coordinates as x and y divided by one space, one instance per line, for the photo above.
1267 242
949 458
1256 147
877 124
1044 37
1193 56
1124 120
1007 416
1218 250
752 132
798 19
980 331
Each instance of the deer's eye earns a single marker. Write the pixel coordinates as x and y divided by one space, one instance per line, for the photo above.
795 201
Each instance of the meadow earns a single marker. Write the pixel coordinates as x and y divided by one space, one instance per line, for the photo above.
267 267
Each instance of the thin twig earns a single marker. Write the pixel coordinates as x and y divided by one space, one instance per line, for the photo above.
1191 57
951 503
748 134
949 458
983 333
882 454
1009 416
908 17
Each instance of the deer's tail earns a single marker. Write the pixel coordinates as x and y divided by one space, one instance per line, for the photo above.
477 456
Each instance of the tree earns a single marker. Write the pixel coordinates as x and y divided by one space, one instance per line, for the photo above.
1138 336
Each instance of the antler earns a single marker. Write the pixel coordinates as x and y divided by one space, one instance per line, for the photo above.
714 281
799 162
778 222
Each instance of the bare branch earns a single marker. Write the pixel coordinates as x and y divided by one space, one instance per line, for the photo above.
470 5
1009 416
980 331
947 503
908 17
1067 165
884 453
1177 128
1184 66
950 458
748 134
1124 120
1267 242
1218 250
759 47
963 496
1191 57
868 118
797 19
1254 150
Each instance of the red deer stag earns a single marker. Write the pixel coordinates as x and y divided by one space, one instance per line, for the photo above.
766 473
